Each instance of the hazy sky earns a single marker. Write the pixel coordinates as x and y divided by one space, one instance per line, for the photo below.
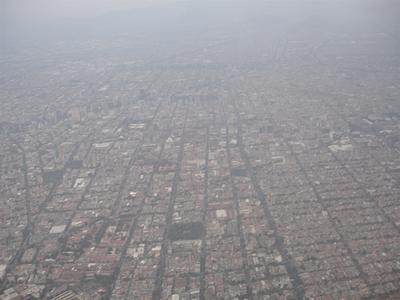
72 8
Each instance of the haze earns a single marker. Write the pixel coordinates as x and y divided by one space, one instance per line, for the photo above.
51 9
213 149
